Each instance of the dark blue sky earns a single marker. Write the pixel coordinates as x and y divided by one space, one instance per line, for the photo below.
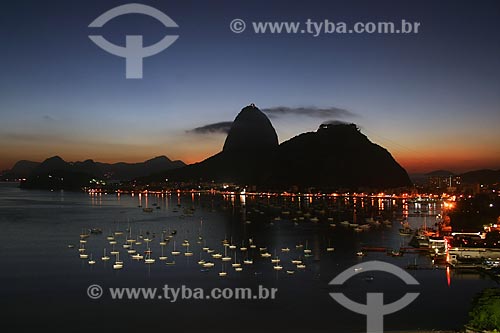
431 98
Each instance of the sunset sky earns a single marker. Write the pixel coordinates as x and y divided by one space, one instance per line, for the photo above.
432 99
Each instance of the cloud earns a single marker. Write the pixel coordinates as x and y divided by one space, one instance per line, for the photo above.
335 122
220 127
48 118
312 111
277 112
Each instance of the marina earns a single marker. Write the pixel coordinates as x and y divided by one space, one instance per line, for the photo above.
294 256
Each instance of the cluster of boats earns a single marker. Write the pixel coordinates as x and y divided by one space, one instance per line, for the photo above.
139 249
369 224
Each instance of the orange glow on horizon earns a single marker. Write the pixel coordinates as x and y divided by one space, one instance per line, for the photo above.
192 151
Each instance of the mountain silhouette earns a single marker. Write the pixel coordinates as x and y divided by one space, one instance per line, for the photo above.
485 176
439 173
335 156
248 152
338 156
251 131
55 173
21 169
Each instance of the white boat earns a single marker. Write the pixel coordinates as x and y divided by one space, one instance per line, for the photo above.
118 264
188 253
83 255
84 234
162 256
307 250
113 251
117 259
330 248
137 256
277 267
226 257
91 261
149 260
223 272
129 239
118 233
104 256
175 252
235 264
208 264
276 261
81 248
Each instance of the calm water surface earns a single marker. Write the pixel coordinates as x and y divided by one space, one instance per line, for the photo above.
44 283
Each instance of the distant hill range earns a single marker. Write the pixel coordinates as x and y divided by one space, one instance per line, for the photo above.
335 156
22 169
73 175
440 173
484 176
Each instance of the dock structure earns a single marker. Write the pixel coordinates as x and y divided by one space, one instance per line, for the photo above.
463 255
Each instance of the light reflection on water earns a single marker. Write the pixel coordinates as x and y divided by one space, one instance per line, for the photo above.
40 274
